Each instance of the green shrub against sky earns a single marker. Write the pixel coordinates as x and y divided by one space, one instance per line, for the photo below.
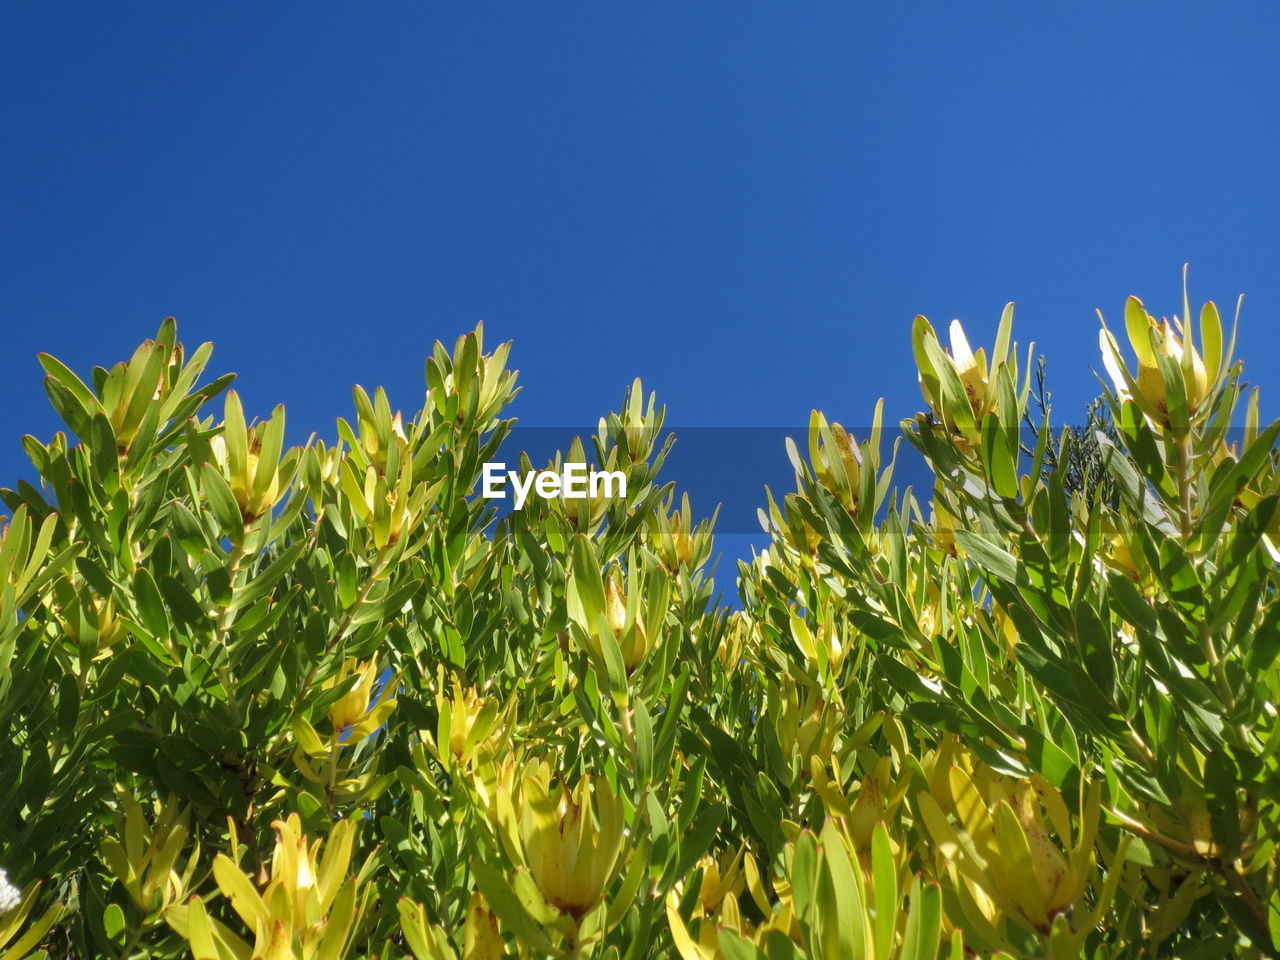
312 703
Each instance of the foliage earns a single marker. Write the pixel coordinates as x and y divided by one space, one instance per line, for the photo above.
316 702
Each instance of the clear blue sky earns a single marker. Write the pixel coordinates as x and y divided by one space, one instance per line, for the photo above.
744 203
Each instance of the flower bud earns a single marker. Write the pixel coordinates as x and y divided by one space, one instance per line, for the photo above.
970 367
480 937
1185 371
571 839
721 878
958 383
615 604
357 714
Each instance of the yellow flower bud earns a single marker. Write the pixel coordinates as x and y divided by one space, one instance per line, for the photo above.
676 540
571 839
1169 343
970 367
633 639
803 721
308 907
869 806
91 620
721 877
466 725
465 710
1154 341
354 715
480 937
733 643
1057 889
943 532
1007 851
242 484
397 427
615 604
837 459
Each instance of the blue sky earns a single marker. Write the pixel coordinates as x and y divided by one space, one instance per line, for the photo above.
744 204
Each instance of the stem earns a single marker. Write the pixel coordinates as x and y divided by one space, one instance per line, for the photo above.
1207 647
335 747
575 947
1173 846
365 589
1237 882
1234 879
1219 671
249 837
345 626
624 717
1181 445
224 625
131 943
1140 747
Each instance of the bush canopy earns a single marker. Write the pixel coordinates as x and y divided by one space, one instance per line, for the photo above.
317 702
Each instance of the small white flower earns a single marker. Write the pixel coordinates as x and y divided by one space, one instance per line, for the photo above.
10 896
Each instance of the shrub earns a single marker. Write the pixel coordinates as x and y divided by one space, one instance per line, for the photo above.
314 702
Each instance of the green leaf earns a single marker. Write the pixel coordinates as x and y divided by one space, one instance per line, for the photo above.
1222 799
923 933
697 841
990 557
222 501
113 921
262 581
643 743
182 603
504 902
73 384
804 876
736 947
235 434
271 438
844 927
587 580
999 458
150 604
615 666
73 412
884 870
